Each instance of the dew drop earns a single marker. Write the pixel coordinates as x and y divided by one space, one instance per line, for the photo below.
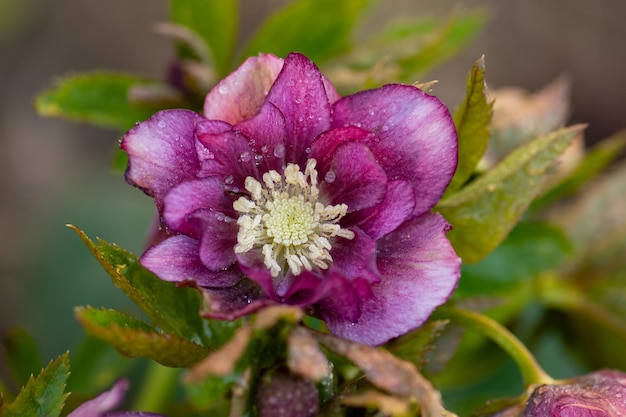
235 189
258 159
220 216
161 124
279 150
245 157
222 89
264 148
330 177
229 180
371 112
307 150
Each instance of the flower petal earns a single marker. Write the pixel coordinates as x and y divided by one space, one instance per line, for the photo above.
162 152
225 153
300 94
354 178
190 196
356 258
267 136
324 146
104 402
230 303
420 271
415 136
394 210
241 95
177 259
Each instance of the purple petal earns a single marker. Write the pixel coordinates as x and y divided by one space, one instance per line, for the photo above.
104 402
187 198
177 259
394 210
416 139
420 271
267 136
300 95
354 178
356 258
230 303
162 152
324 147
344 303
225 153
241 95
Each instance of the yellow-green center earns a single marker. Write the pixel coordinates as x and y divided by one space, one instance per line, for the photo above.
284 219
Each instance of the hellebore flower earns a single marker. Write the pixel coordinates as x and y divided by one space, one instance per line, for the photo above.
284 192
102 405
598 394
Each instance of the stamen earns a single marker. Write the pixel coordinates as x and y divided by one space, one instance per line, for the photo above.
284 219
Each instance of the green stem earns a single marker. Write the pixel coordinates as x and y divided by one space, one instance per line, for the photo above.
532 373
158 386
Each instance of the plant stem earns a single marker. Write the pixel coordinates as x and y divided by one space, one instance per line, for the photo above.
532 373
156 391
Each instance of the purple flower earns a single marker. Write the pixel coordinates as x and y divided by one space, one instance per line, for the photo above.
105 402
284 192
598 394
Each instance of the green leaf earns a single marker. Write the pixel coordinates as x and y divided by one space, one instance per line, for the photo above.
598 158
414 346
472 120
42 396
442 44
530 248
101 98
134 338
23 356
216 22
175 310
320 29
483 213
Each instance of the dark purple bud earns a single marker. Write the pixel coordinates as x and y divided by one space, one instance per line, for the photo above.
598 394
283 394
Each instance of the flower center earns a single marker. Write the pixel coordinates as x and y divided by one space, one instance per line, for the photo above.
284 219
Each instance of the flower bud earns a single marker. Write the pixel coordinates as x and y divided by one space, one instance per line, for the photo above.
283 394
598 394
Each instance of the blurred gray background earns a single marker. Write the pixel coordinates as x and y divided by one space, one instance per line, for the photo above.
54 172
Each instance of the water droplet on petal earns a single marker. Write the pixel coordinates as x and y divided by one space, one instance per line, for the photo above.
279 150
162 124
264 148
245 157
307 150
222 89
330 177
219 216
258 159
229 180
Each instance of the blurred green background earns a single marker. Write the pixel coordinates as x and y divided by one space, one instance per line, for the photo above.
55 172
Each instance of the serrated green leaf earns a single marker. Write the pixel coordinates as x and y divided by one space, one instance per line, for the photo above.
598 158
42 396
483 213
23 356
472 120
216 22
320 29
101 98
530 249
175 310
134 338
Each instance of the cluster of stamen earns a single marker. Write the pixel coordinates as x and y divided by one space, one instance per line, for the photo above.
284 219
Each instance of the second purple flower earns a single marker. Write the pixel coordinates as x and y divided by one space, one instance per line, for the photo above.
284 192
